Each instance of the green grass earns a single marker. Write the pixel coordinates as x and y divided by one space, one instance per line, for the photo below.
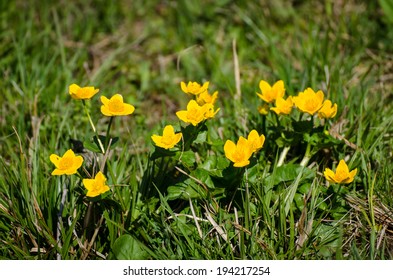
143 49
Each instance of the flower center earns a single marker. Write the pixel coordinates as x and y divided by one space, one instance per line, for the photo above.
194 114
116 105
167 140
341 175
65 163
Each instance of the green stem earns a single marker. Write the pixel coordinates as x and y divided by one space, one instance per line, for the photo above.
107 132
283 156
92 126
248 210
307 155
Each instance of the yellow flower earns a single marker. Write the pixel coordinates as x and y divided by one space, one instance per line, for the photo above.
255 141
168 139
308 101
206 98
263 109
240 153
77 92
342 175
96 186
271 93
194 87
209 110
194 113
115 106
327 111
283 106
67 164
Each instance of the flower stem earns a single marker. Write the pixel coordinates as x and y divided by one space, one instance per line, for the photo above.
92 126
107 132
307 155
283 156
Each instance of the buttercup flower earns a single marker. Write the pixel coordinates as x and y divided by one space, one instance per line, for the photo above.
255 140
271 93
194 87
168 139
283 106
327 111
209 110
115 106
240 153
78 92
308 101
342 175
194 113
96 186
206 98
67 164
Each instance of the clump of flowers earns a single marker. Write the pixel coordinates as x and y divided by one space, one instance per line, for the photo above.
69 163
241 152
309 101
202 107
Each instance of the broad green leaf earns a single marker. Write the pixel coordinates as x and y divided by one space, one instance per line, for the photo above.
288 172
126 247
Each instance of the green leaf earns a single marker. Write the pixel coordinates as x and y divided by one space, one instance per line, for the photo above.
187 158
203 176
126 247
186 190
201 137
288 172
215 165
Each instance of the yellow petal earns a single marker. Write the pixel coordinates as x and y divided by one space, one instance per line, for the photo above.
117 97
342 167
55 159
182 115
104 100
352 175
183 87
58 172
329 175
229 149
156 139
73 89
128 109
168 131
105 111
320 96
100 178
264 86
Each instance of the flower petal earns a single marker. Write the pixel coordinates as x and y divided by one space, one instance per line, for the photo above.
264 86
73 89
104 100
329 175
55 159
